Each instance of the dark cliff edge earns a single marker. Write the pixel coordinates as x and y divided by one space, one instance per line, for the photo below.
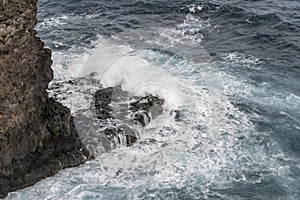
37 135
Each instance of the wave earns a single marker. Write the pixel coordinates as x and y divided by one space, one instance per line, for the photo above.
229 128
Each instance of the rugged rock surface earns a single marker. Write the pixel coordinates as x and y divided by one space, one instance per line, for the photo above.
37 134
120 112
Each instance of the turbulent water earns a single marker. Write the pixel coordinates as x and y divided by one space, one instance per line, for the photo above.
230 70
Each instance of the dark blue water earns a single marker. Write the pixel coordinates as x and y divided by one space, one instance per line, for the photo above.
239 62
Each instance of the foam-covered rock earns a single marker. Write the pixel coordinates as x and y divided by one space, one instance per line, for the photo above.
121 112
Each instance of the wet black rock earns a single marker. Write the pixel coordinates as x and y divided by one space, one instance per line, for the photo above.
103 99
146 108
122 112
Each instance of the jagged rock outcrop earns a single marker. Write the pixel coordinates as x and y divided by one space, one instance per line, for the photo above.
37 134
120 112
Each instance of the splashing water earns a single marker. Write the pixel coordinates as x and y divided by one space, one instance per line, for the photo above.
211 142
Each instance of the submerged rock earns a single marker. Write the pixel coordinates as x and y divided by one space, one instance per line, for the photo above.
121 112
37 134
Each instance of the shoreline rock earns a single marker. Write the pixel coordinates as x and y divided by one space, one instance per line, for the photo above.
37 135
122 112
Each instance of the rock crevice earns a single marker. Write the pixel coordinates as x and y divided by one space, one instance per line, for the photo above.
37 135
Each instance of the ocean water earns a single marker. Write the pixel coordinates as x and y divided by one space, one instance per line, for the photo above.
229 72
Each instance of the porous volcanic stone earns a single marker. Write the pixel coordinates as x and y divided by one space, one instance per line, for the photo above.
37 134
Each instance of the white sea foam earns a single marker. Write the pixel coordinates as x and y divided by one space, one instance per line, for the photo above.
204 148
209 145
115 64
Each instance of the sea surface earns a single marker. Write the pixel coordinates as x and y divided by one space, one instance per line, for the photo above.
229 70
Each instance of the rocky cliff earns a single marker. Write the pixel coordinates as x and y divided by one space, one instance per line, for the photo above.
37 134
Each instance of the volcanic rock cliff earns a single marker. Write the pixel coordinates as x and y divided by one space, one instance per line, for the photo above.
37 134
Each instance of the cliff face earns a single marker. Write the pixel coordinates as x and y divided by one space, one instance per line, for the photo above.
37 134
